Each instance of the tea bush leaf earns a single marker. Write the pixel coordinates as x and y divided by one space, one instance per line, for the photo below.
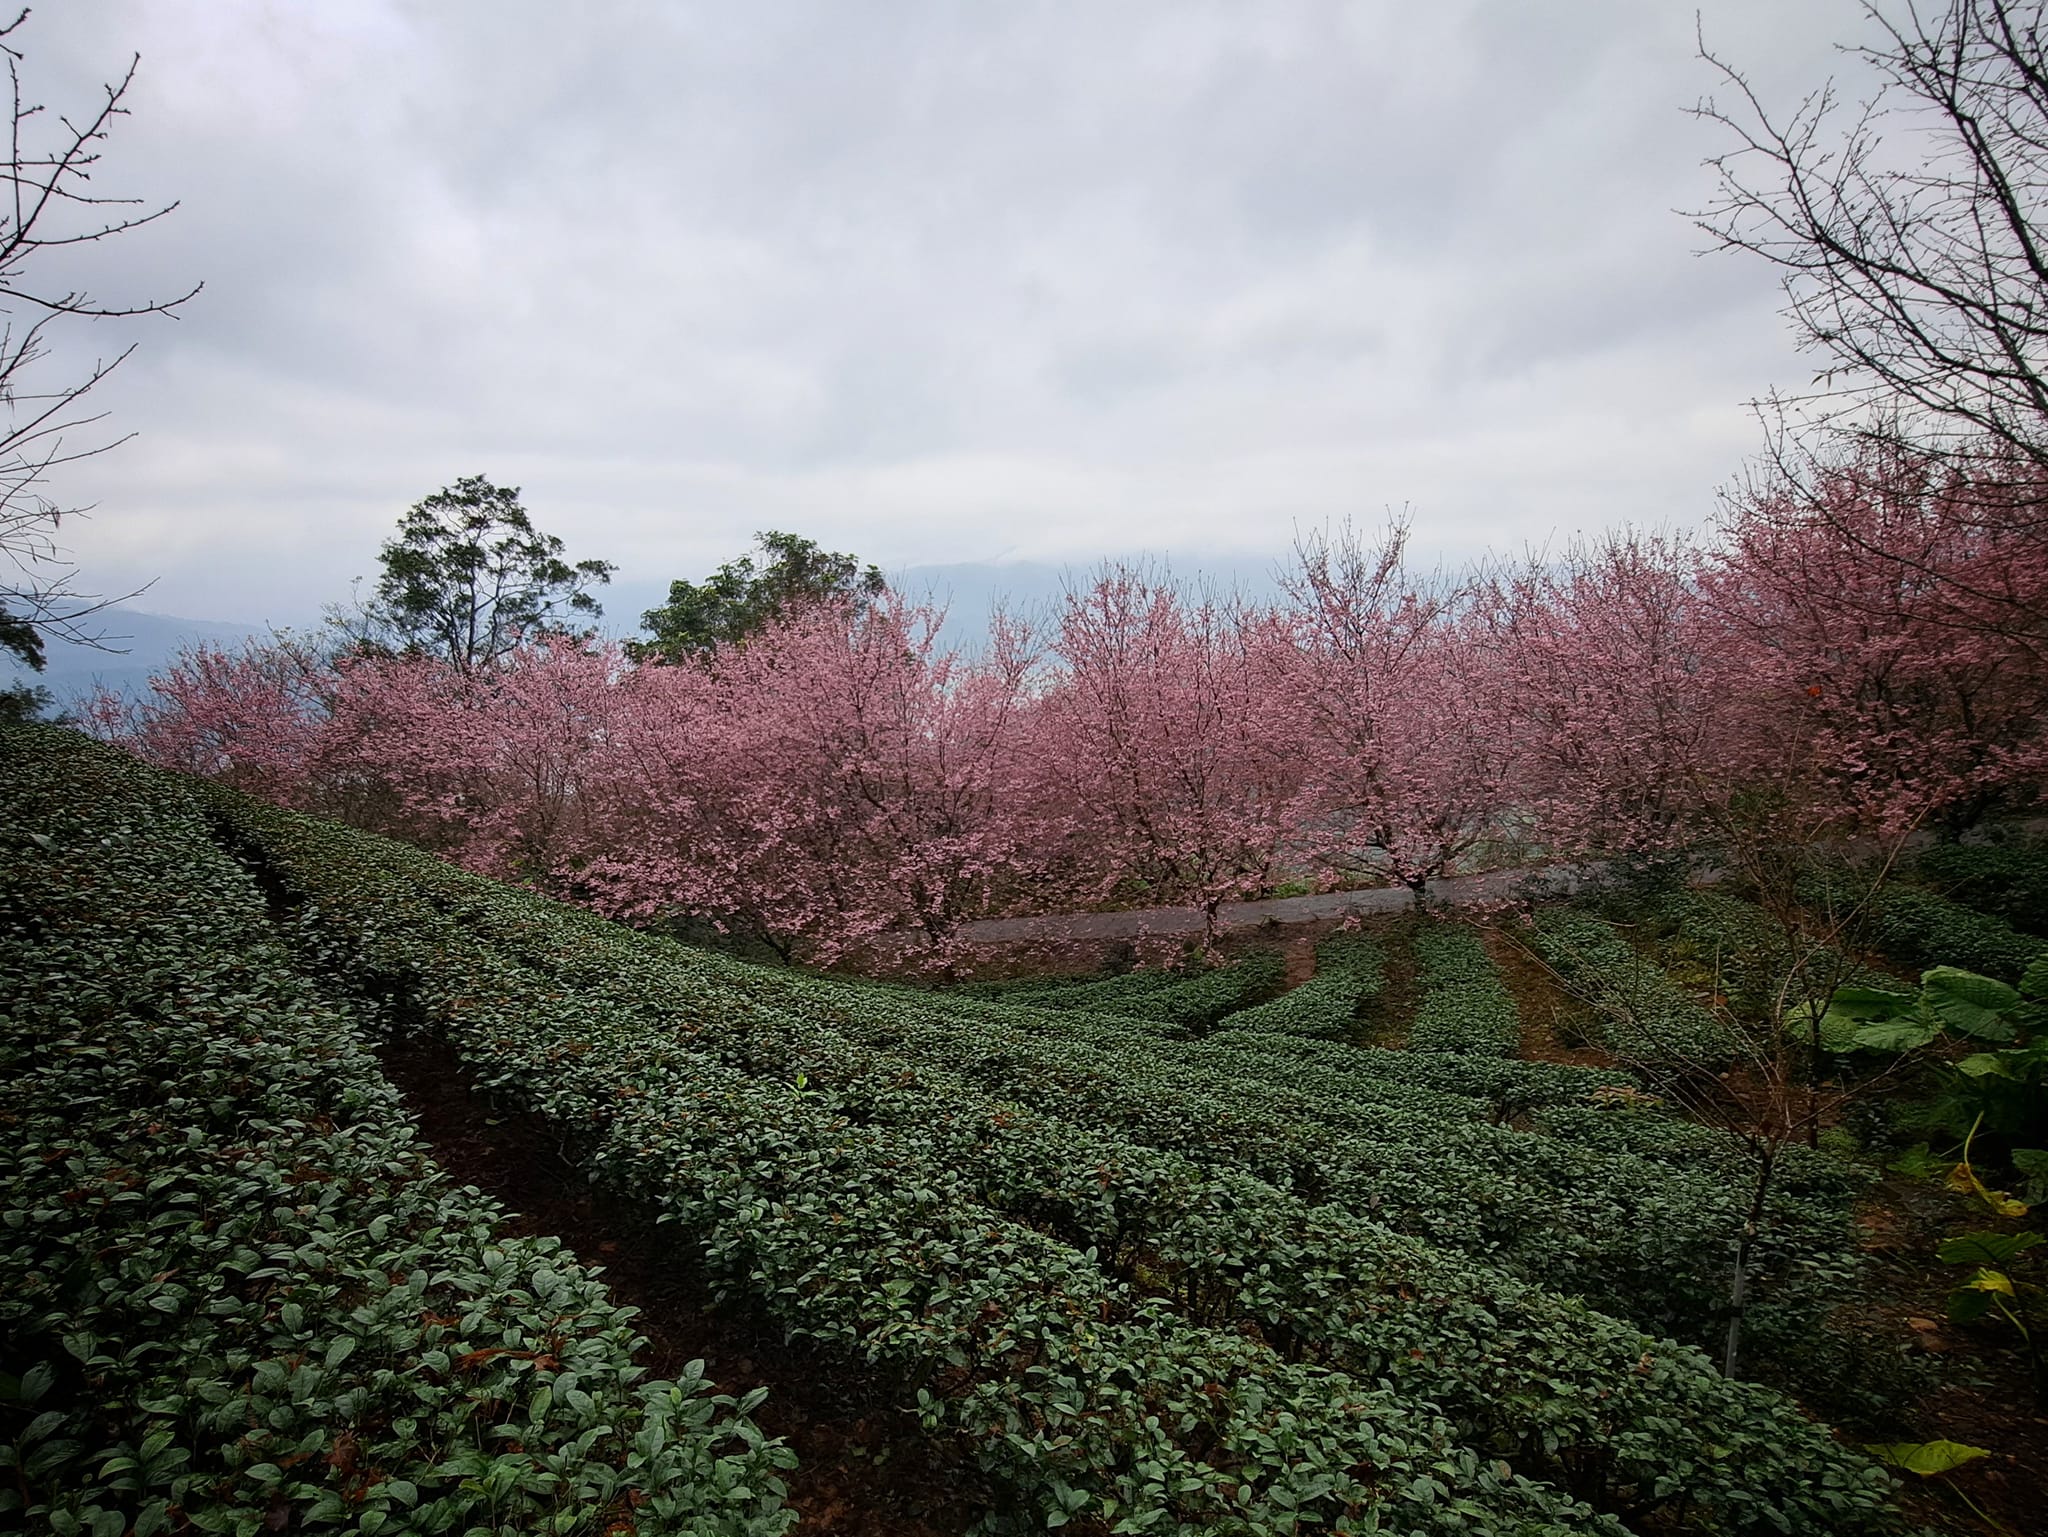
234 1276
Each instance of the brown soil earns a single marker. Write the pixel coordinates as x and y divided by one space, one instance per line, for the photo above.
1981 1393
1391 1012
1554 1024
866 1469
1301 962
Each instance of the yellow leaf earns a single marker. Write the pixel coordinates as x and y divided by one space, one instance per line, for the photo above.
1989 1281
1929 1459
1963 1180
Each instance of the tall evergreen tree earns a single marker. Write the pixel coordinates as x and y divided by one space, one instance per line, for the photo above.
468 572
739 598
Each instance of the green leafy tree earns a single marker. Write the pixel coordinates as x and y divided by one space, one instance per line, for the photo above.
468 572
739 597
24 702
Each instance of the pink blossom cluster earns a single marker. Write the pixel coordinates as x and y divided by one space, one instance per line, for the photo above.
1861 657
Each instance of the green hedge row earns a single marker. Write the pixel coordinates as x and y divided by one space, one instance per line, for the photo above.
1104 993
1181 1000
2006 880
681 1058
1731 946
1201 1000
1541 1384
1563 1393
1642 1239
1636 1236
235 1294
1501 1087
1465 1007
1918 929
1572 1104
1644 1015
876 1236
1350 971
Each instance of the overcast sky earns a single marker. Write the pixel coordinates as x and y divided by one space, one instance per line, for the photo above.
934 283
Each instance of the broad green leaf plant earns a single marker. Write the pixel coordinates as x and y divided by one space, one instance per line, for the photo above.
2002 1086
1999 1088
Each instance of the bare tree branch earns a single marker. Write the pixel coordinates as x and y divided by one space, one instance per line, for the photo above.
1909 231
49 203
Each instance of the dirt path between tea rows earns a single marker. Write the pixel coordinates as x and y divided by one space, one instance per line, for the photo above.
865 1469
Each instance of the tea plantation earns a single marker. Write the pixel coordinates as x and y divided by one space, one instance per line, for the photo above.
235 1292
1156 1256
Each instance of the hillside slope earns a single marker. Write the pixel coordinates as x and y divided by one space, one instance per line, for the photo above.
1132 1281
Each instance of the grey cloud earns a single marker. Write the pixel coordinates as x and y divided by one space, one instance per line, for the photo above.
926 281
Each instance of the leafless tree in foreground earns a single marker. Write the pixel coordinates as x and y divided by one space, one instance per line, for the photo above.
1911 230
48 204
1772 1089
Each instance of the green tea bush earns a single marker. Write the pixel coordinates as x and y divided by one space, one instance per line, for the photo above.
1359 954
1465 1007
835 1177
1636 1237
1646 1241
236 1295
1173 999
1917 928
1428 1081
1104 993
2005 880
1359 1127
1018 988
1083 1396
1350 971
1328 1286
1643 1014
1729 945
1296 1247
1199 1001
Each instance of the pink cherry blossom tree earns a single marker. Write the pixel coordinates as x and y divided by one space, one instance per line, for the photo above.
1160 760
1839 660
502 767
1396 706
254 717
1902 628
844 781
1603 657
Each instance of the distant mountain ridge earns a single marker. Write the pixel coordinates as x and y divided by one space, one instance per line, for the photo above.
140 644
146 643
